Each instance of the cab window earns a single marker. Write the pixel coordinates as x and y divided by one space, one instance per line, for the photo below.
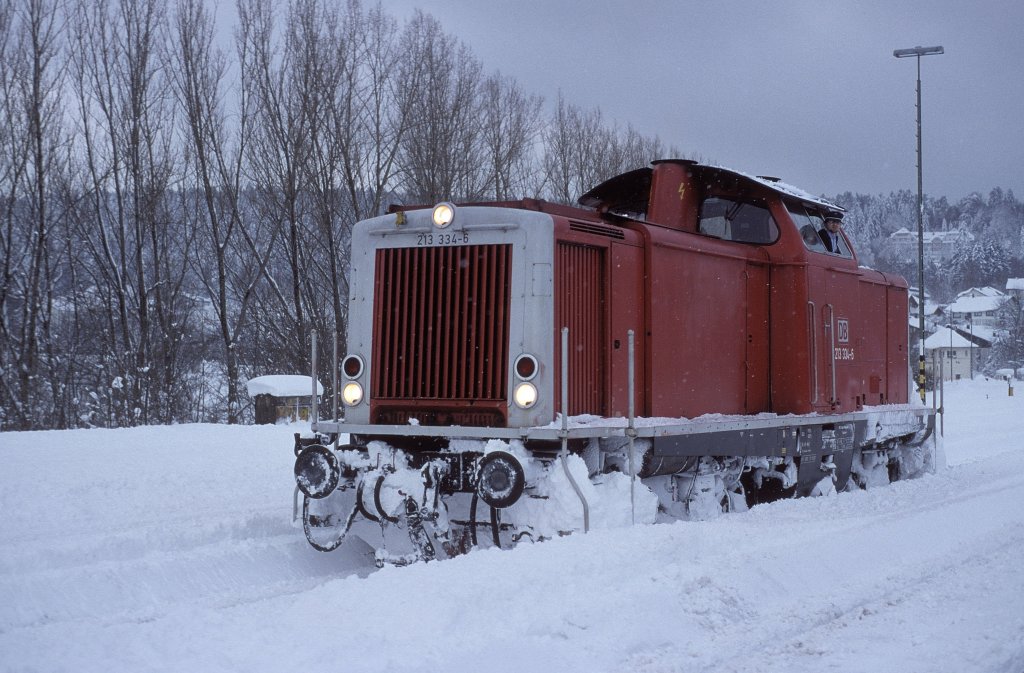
809 223
741 221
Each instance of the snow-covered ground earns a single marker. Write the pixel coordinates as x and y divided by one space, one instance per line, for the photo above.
172 548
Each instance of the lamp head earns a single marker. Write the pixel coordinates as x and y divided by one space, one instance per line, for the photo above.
918 51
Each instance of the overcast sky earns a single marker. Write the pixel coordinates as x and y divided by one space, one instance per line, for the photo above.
805 90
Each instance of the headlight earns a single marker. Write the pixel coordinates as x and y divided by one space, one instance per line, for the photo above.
352 393
317 471
500 479
525 395
443 215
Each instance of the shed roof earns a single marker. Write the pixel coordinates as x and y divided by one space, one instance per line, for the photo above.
283 385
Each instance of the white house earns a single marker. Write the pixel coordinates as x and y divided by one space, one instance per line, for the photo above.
959 356
1015 287
981 292
978 309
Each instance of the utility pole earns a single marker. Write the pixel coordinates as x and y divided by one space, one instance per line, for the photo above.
904 53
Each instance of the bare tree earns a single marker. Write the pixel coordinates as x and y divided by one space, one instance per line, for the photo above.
442 150
372 111
573 143
511 127
318 34
137 245
279 138
31 79
322 156
238 247
581 150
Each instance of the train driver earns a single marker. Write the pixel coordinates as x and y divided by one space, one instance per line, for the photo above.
830 234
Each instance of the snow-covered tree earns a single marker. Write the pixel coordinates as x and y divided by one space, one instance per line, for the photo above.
1008 350
984 262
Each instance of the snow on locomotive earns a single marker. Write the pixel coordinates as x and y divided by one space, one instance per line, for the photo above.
684 345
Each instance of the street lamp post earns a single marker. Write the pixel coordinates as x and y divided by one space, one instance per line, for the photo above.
970 326
904 53
952 353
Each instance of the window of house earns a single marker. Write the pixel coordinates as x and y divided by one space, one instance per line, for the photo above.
741 221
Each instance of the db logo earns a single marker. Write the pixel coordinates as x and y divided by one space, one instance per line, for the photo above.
843 331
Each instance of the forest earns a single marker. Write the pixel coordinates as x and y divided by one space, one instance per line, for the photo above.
175 206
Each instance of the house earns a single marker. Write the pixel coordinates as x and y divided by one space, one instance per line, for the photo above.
981 292
939 246
1015 287
979 309
282 398
953 353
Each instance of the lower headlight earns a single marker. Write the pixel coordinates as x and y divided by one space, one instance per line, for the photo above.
352 393
317 471
500 479
525 395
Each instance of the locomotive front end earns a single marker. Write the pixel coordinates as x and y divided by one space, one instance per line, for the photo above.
450 317
450 340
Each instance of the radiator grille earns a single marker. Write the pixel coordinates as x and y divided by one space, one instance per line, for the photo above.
581 308
442 323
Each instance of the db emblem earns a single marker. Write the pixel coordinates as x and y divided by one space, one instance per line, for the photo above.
843 331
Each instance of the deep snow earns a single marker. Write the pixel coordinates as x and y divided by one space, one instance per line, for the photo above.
172 548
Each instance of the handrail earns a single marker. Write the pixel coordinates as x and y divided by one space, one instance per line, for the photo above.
334 386
812 330
631 428
565 429
831 327
313 411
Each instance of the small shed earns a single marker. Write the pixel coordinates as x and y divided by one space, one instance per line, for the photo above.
282 398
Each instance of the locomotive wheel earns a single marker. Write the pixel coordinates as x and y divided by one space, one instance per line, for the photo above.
769 491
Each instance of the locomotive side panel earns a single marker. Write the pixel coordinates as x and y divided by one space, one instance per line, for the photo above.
897 390
626 280
698 347
758 338
870 340
834 292
794 324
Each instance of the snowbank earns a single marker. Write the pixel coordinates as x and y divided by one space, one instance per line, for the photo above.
172 549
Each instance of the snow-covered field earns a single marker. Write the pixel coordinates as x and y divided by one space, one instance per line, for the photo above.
172 548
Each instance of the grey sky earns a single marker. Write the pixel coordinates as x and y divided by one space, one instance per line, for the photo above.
806 90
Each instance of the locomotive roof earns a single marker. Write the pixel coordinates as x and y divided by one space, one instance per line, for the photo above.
631 191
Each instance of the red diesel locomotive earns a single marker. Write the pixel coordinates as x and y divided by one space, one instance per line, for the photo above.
683 345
